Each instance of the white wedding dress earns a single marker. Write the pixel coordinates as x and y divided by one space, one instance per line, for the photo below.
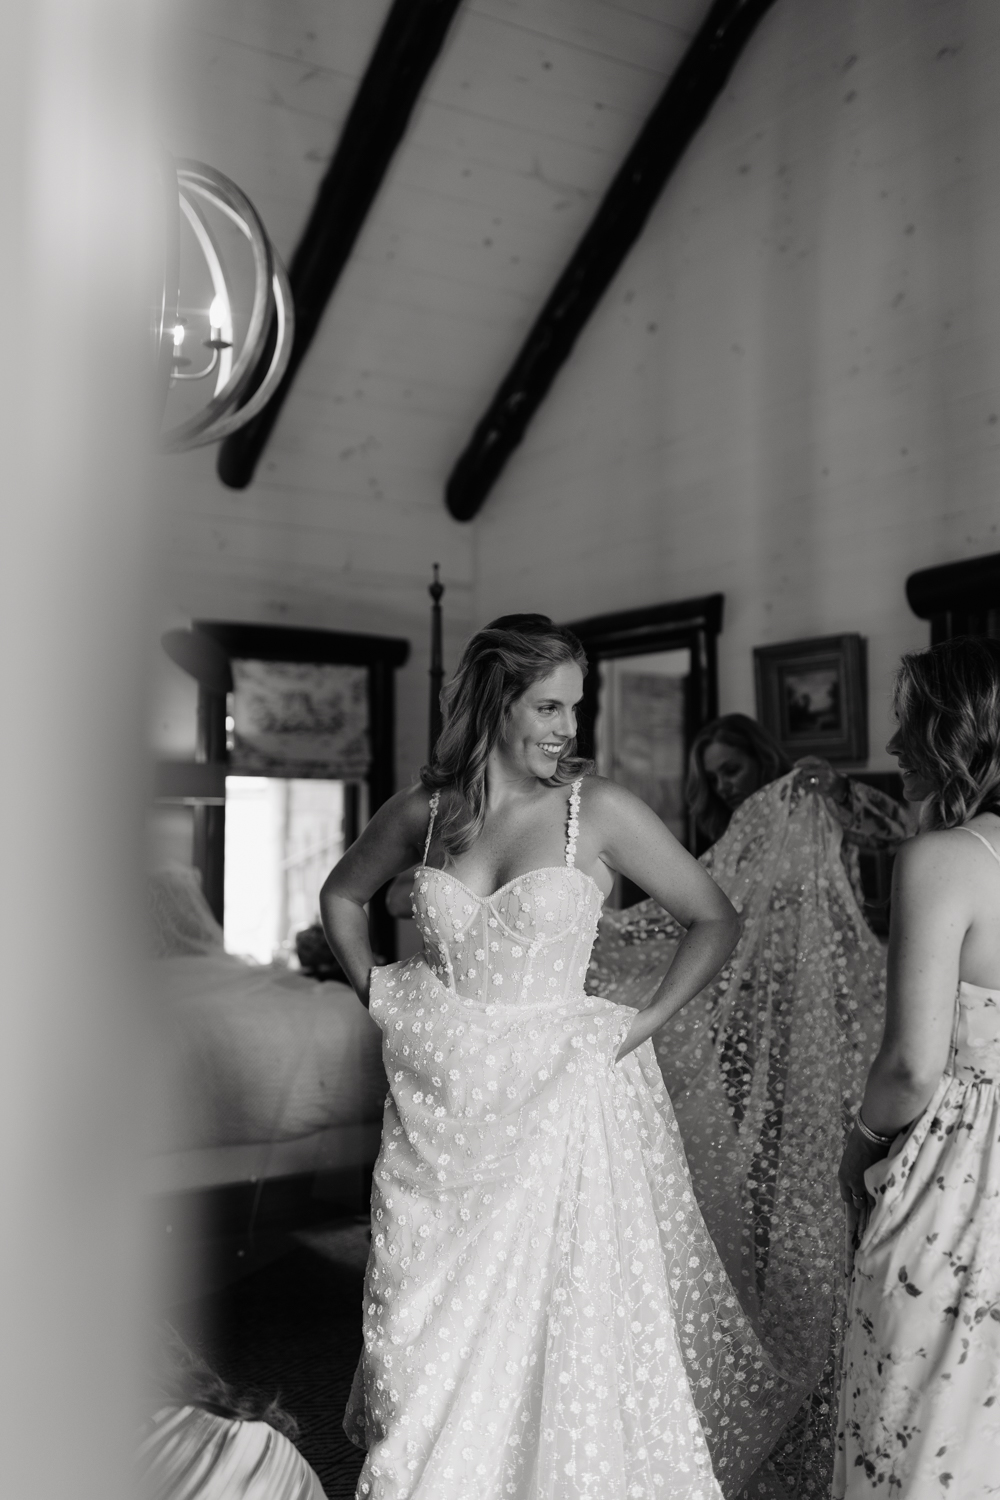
545 1315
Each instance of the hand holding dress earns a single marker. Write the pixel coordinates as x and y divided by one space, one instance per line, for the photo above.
545 1316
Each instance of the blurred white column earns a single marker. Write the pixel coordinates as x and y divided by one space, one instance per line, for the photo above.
73 408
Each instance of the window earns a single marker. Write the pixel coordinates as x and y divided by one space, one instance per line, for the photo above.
282 839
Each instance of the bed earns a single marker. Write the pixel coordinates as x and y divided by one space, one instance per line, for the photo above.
265 1072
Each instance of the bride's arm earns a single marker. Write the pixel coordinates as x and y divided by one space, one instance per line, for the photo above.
633 841
390 843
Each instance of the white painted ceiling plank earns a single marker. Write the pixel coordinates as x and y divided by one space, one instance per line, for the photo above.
524 121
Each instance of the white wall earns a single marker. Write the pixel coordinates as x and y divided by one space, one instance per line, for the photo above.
344 519
791 393
519 126
276 556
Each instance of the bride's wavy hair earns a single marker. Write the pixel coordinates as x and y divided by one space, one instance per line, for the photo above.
740 732
947 704
498 664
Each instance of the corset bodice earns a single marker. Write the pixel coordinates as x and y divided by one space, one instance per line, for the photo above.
975 1048
529 941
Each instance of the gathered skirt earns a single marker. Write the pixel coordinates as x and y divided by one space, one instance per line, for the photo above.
545 1315
920 1398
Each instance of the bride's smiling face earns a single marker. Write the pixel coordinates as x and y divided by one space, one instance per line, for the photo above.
542 722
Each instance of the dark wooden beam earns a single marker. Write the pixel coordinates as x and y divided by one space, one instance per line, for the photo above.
404 55
683 106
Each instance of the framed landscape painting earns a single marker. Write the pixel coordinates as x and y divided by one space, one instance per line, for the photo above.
813 696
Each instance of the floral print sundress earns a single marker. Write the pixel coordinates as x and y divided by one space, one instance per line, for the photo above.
919 1408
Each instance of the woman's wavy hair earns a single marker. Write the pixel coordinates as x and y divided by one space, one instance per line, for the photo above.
182 1377
741 733
947 704
498 664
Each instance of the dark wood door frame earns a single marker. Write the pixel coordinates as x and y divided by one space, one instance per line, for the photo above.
380 654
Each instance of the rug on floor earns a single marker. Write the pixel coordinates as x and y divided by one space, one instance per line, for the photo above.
294 1326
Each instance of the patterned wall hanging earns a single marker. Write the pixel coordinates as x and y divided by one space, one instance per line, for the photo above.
300 719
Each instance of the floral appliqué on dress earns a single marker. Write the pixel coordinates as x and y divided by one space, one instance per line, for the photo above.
545 1314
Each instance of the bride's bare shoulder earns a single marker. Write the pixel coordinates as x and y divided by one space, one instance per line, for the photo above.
409 809
603 799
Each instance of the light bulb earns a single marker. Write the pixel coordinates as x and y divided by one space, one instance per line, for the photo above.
178 335
217 311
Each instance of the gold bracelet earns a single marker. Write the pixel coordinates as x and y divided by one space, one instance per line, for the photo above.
872 1135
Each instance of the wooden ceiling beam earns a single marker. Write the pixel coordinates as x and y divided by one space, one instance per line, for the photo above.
406 51
692 90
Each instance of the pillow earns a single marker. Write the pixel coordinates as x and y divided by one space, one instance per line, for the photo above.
181 920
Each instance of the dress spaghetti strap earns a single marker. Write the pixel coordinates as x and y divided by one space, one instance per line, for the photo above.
572 823
982 840
433 810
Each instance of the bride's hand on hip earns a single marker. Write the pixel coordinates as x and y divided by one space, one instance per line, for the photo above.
391 843
631 839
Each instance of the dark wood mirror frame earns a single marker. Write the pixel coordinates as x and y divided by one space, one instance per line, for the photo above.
381 655
959 598
694 623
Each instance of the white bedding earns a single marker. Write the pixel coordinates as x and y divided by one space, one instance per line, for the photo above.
338 1150
259 1056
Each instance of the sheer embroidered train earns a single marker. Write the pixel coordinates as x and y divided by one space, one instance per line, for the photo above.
763 1069
545 1315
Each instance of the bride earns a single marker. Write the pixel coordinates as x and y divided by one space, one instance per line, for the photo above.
545 1315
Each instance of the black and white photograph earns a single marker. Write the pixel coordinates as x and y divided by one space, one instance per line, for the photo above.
500 875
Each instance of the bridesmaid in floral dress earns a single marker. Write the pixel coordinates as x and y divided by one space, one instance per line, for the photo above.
919 1414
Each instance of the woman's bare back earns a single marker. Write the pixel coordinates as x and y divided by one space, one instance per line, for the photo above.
980 959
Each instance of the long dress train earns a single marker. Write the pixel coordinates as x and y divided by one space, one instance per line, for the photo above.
920 1400
546 1317
764 1070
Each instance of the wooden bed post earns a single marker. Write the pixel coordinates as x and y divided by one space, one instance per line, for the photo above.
436 589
